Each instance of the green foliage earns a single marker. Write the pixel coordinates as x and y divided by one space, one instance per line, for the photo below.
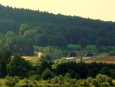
89 82
50 52
61 79
99 81
105 71
47 74
18 66
55 80
73 74
105 84
11 81
112 73
67 78
27 83
91 73
4 60
34 77
43 65
103 78
74 47
91 47
24 28
83 41
51 30
112 53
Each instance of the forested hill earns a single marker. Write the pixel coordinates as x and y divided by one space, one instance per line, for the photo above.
11 18
43 28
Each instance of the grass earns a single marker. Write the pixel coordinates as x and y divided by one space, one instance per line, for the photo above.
105 59
2 82
40 83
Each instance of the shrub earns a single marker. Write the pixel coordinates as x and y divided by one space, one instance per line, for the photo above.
61 79
34 77
112 53
43 66
11 81
72 81
89 82
90 73
56 80
67 77
18 67
107 84
112 73
47 74
104 78
28 83
73 74
105 71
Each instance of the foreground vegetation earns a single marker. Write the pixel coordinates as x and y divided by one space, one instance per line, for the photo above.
18 72
58 81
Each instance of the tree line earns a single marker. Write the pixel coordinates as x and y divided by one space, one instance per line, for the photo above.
21 29
29 37
17 66
69 73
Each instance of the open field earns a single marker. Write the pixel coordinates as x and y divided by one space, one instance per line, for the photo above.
29 57
104 59
98 59
33 58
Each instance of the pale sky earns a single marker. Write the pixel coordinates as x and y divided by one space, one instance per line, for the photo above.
96 9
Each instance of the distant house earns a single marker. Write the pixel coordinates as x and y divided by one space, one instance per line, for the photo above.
72 54
90 54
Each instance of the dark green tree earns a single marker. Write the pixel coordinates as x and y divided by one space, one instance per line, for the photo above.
47 74
44 65
4 60
18 67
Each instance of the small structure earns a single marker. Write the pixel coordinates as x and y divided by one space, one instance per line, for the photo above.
90 54
72 54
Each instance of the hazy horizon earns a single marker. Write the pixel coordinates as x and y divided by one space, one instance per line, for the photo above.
95 9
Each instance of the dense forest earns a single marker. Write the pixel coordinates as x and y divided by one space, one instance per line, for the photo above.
21 29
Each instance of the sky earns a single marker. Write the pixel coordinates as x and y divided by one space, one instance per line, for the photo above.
95 9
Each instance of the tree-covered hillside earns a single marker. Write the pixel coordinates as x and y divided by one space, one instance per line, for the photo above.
21 29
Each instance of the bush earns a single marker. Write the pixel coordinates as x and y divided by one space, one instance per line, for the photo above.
99 81
43 66
11 81
112 73
27 83
105 71
73 74
104 78
112 53
47 74
56 80
18 67
89 82
90 72
92 82
34 77
67 77
107 84
61 79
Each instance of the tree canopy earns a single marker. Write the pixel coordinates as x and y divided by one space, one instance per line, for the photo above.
21 29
